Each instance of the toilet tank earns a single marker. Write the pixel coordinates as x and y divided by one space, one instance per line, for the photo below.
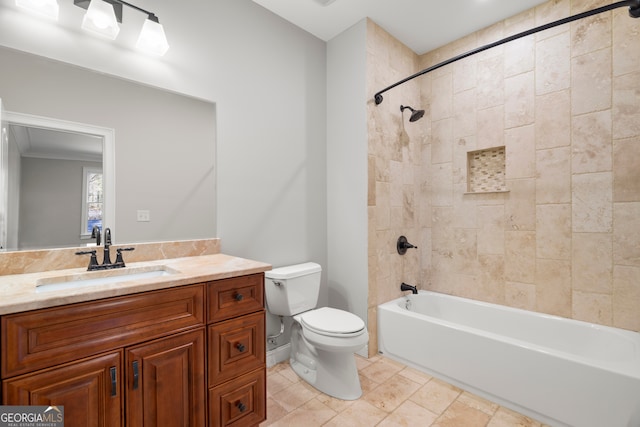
292 289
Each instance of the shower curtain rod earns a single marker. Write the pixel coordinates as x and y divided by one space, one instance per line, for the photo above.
634 12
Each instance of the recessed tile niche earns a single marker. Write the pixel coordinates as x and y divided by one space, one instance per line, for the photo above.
486 170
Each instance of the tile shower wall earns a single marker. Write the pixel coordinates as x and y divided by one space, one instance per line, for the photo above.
565 103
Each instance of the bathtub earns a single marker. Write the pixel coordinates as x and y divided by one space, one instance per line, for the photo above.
558 371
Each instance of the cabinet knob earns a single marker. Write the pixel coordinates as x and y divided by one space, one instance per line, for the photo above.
239 296
241 406
240 347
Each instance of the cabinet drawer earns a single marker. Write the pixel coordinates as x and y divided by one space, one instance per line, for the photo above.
52 336
235 347
235 297
241 402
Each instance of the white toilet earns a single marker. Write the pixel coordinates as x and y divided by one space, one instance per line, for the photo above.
323 340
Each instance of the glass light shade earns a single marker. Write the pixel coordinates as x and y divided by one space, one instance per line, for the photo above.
48 8
101 19
152 38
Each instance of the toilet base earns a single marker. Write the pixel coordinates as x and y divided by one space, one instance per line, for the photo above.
332 372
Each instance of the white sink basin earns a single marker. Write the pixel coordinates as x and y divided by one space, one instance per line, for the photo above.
102 277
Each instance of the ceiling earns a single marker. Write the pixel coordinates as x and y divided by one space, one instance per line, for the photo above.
55 144
421 25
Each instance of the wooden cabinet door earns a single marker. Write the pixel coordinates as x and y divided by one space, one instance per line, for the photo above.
90 391
166 382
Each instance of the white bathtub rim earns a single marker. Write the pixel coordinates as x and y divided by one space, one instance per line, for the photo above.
630 368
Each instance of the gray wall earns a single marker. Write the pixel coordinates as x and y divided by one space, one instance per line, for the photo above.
347 172
50 202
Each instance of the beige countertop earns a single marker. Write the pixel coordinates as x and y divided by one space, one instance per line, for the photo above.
18 292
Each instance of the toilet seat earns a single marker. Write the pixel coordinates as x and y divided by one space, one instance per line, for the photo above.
332 322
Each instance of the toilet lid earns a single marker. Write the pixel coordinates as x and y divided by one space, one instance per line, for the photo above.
333 321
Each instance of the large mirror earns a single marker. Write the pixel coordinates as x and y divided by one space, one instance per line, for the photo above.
158 153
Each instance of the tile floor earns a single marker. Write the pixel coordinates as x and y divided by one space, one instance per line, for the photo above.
393 395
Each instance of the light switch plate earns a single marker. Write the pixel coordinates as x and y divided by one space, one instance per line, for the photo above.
144 215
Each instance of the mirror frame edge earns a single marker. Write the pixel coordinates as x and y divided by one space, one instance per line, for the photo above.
108 151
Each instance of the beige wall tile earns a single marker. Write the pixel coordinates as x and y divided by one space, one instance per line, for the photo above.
590 34
490 87
520 256
520 205
520 295
464 208
591 142
465 251
591 307
461 147
553 180
490 130
491 284
491 228
519 102
553 287
553 64
549 12
626 173
553 231
592 196
626 233
442 187
464 74
591 82
520 144
442 96
464 113
442 141
553 112
592 262
626 297
626 33
519 55
626 108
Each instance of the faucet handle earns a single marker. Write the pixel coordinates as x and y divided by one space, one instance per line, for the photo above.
93 262
119 258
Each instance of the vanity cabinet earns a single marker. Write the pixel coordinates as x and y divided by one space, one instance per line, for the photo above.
172 357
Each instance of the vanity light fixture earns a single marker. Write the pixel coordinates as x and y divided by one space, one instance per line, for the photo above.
103 16
48 8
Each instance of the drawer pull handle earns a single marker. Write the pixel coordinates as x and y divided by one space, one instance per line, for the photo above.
240 347
241 406
114 380
239 296
136 375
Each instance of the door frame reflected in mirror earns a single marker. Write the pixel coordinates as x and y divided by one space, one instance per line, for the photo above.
108 151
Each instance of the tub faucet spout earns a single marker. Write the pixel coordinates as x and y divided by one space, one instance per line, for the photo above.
406 287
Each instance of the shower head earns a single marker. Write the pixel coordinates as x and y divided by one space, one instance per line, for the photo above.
415 114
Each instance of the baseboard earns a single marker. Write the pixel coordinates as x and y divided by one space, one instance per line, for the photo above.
278 354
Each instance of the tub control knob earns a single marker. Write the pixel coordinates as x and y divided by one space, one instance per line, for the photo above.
403 244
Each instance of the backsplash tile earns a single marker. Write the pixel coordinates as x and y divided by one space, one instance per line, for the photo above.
35 261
